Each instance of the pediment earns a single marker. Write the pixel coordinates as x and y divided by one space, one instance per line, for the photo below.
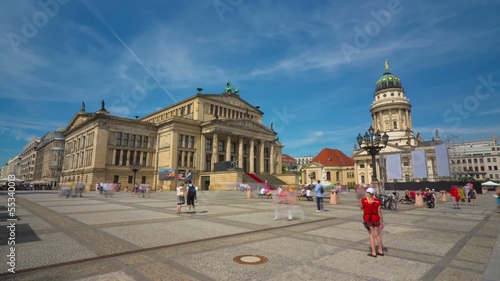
313 165
237 124
389 149
77 120
231 99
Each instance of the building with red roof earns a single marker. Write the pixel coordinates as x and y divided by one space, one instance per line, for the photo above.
331 167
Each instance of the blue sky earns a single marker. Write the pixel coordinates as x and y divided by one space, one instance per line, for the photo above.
311 66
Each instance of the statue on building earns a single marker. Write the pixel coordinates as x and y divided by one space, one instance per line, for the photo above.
83 106
437 134
102 105
234 164
230 89
272 126
386 65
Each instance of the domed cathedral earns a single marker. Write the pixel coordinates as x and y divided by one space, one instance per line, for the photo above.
406 157
391 109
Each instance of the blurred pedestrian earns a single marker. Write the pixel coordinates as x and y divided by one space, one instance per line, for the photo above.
180 197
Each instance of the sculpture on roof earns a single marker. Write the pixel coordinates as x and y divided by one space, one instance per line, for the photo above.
386 65
102 105
83 106
230 89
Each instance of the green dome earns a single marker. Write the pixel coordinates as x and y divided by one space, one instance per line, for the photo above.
388 81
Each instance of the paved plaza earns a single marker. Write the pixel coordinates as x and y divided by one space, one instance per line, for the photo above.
230 237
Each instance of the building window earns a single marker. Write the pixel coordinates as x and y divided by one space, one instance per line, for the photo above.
124 159
179 158
488 160
211 109
191 159
328 176
132 140
137 157
139 141
144 158
361 166
221 146
337 176
395 124
143 180
117 157
233 147
125 139
146 139
118 138
180 140
362 179
208 144
130 179
494 160
191 141
116 178
131 157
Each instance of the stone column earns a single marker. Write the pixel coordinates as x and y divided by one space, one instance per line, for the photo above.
407 120
228 147
261 156
251 156
202 158
215 143
271 160
240 153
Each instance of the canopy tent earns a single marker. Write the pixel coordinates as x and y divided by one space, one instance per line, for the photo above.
490 183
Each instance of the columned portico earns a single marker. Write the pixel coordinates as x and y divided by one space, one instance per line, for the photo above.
203 159
228 147
271 160
240 152
252 156
261 156
215 154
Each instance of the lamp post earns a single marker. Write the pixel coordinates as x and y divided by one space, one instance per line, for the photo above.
135 168
311 175
373 142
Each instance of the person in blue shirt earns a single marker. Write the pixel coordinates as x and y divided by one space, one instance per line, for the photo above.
319 189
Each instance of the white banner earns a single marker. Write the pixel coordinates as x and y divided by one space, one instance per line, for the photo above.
442 160
419 164
393 162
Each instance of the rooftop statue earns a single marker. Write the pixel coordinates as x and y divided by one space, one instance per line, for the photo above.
102 105
83 106
230 89
386 65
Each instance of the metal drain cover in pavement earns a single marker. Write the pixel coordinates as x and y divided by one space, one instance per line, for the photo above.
250 259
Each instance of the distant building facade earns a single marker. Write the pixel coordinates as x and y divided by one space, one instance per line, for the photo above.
304 160
476 159
49 158
289 163
28 160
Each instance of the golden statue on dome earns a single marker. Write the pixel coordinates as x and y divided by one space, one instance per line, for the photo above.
386 65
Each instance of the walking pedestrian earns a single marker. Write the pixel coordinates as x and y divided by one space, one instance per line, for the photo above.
191 196
319 189
373 221
455 197
180 197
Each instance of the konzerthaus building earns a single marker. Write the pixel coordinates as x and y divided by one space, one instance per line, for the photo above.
217 140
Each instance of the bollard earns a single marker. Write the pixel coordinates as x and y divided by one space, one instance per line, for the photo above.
334 199
249 192
419 201
443 197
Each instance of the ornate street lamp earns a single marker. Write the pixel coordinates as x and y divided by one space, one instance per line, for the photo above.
373 142
135 168
312 176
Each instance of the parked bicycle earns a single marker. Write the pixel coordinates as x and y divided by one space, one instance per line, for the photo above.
389 201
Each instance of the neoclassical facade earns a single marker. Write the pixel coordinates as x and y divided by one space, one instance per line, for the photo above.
214 139
391 113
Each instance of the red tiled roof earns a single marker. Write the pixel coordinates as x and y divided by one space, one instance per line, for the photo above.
285 158
333 157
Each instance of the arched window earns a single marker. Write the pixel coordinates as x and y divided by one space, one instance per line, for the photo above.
337 176
395 124
328 176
